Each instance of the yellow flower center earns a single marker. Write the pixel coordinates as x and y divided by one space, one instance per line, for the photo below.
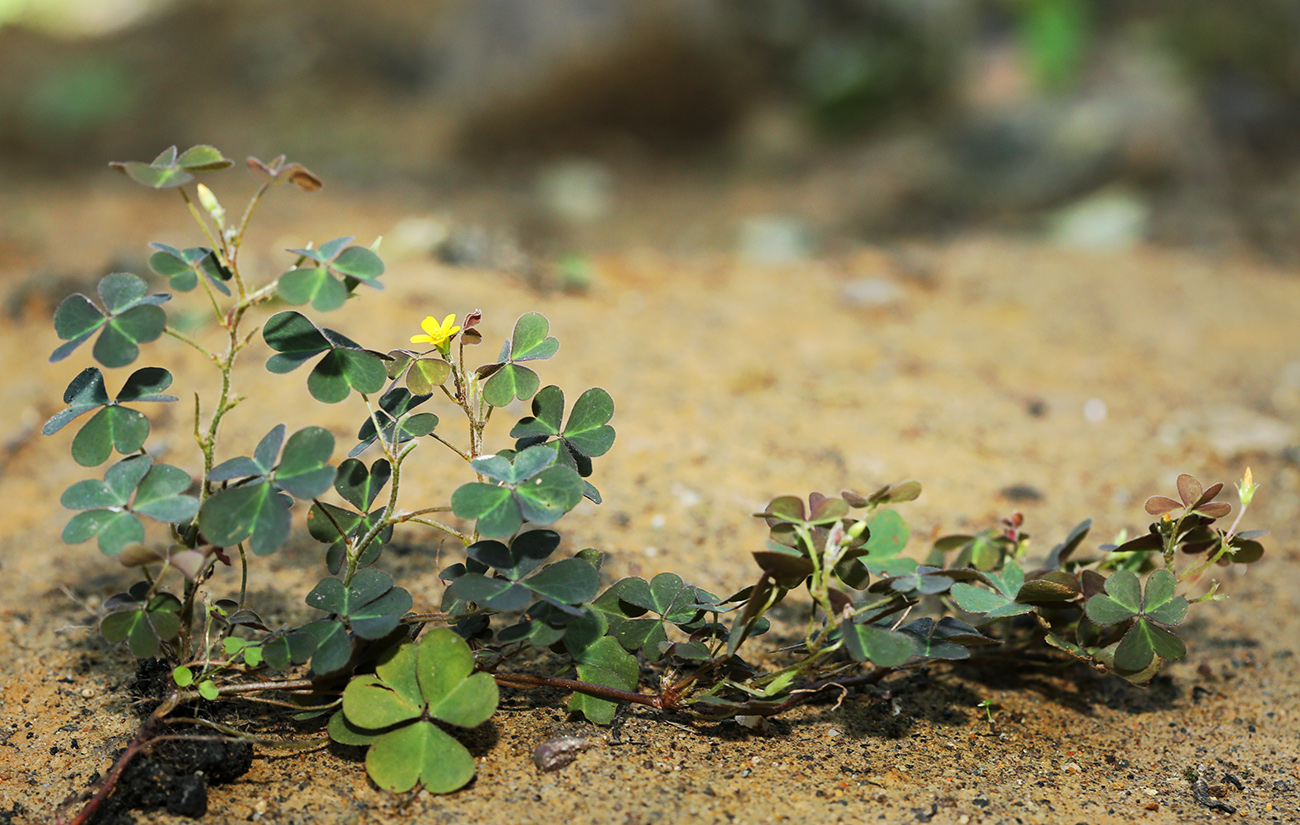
434 333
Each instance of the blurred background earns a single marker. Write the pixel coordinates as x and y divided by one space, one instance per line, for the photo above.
811 123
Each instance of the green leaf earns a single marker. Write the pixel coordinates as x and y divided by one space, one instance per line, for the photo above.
426 373
525 554
509 383
183 267
394 407
491 592
304 471
888 535
203 158
343 370
315 285
254 511
1160 604
1143 642
1121 601
110 515
333 645
371 703
494 507
130 318
295 338
360 263
84 393
360 486
391 712
544 498
666 595
566 582
345 367
454 693
878 645
588 430
75 320
346 733
419 753
168 171
161 495
113 427
587 433
142 626
603 663
530 340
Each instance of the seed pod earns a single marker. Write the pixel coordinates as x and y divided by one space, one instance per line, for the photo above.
558 751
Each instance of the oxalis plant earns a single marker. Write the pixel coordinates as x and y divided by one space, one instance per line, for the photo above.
519 611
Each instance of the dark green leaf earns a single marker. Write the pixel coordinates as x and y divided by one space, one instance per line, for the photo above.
878 645
603 663
510 382
304 471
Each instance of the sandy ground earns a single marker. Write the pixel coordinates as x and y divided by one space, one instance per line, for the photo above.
736 382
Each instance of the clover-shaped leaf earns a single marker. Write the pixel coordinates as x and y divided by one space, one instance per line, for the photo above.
821 511
114 426
398 424
587 434
371 604
257 509
170 170
999 602
134 485
563 584
338 269
948 638
1152 612
423 374
130 317
345 367
531 488
327 523
925 580
143 622
393 713
1192 499
669 598
182 267
506 379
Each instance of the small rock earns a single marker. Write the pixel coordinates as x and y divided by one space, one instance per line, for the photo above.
872 293
577 190
1021 493
1105 222
774 240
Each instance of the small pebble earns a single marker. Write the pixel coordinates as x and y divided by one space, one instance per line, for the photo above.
558 751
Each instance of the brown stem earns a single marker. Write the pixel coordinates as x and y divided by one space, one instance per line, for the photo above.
528 680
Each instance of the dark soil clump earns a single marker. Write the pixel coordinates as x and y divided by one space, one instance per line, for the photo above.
176 776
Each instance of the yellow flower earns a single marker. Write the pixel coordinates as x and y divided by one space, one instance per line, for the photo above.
434 333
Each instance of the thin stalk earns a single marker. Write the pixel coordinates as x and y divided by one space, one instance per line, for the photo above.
529 680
